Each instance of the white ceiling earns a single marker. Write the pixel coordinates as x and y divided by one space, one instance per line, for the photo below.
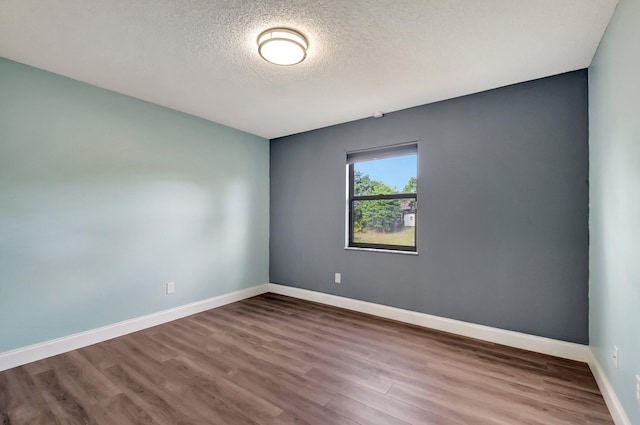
200 56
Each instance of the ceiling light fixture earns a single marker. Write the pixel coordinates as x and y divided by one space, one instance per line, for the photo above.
282 46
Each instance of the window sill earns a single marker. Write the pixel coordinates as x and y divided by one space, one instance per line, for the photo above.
388 251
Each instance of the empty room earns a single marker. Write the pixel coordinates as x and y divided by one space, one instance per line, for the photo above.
360 212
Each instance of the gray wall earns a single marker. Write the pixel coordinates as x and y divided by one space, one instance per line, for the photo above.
104 198
614 143
503 210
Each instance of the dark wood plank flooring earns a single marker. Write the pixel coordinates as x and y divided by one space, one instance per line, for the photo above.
278 360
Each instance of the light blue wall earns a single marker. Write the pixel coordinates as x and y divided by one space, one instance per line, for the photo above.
104 198
614 152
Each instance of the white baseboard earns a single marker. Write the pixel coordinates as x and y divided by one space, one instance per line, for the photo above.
613 403
20 356
568 350
538 344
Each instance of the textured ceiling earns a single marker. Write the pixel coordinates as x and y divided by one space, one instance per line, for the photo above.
200 56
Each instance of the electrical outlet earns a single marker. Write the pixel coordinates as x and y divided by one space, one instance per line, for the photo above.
638 388
171 287
338 278
616 356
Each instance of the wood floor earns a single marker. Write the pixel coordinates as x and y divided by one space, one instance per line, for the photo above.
277 360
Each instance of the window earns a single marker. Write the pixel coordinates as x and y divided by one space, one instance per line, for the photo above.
382 198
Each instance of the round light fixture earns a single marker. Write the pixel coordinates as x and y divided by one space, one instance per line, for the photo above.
282 46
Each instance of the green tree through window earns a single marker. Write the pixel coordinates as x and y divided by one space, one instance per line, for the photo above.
380 215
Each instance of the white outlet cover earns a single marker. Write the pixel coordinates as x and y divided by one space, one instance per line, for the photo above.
338 278
616 356
170 287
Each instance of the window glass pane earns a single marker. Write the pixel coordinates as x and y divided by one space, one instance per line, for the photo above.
385 176
385 222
